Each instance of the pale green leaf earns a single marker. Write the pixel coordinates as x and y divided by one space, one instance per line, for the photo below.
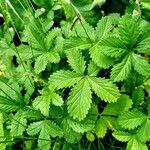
76 60
64 78
34 128
104 89
56 99
80 99
121 70
44 140
101 127
136 144
42 103
131 119
140 65
144 132
97 3
122 136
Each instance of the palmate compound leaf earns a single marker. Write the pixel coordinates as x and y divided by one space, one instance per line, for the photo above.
131 119
76 61
62 79
47 129
121 70
80 99
104 89
140 65
44 101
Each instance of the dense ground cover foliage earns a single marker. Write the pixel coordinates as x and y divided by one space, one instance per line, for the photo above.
74 74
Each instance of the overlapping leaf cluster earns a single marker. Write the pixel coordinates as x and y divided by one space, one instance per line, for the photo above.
65 79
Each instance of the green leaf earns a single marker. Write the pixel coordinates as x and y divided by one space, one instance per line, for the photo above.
51 36
87 124
144 132
143 46
136 144
64 78
44 3
69 134
129 28
8 105
104 89
77 43
56 99
93 69
101 127
138 95
121 70
113 47
36 38
122 136
124 103
44 101
76 60
140 65
100 58
44 59
47 129
131 119
103 28
2 136
40 63
97 3
80 99
18 124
